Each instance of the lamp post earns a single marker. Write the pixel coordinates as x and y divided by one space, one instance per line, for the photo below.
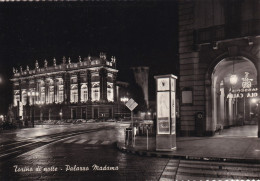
60 114
124 100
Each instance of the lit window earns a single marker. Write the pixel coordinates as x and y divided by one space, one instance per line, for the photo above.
74 96
110 95
51 97
16 97
95 92
24 97
84 93
60 96
51 94
74 93
60 93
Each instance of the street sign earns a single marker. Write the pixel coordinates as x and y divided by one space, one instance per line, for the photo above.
131 104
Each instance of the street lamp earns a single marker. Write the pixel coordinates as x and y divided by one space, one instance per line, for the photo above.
124 100
233 78
60 115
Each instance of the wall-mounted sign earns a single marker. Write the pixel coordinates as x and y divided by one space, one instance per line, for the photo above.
241 95
246 82
246 91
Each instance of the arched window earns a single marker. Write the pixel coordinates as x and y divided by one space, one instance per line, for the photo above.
110 92
60 93
95 92
84 93
51 94
16 97
74 94
24 97
42 95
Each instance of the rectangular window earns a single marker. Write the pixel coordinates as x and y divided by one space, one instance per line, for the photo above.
74 96
51 100
60 96
85 95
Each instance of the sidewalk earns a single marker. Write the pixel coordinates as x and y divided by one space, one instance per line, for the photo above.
233 149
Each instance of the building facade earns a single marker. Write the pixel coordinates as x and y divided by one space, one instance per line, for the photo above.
82 90
219 64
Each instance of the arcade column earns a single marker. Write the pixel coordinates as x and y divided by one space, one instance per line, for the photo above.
166 113
258 91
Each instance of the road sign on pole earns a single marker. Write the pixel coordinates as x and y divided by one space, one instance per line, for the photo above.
131 104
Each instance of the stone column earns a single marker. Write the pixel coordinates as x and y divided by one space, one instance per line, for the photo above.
103 84
114 87
20 90
209 129
258 91
89 85
79 87
55 89
67 88
64 87
46 89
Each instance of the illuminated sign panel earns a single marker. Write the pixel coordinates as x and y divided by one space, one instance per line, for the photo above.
246 90
163 111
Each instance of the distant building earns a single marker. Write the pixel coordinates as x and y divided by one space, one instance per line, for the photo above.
82 90
141 75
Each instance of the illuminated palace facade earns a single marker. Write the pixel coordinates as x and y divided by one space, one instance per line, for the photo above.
83 90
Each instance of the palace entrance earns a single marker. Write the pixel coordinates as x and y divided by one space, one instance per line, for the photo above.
234 96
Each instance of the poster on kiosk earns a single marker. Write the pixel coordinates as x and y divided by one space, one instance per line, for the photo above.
166 112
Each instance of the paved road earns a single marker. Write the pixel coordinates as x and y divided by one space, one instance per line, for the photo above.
74 156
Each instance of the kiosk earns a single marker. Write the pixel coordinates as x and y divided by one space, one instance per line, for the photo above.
166 113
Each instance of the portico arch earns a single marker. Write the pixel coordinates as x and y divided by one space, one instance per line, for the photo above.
220 109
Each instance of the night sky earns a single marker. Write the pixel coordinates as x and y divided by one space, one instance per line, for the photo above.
137 33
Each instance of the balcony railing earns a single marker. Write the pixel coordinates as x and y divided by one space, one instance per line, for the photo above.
227 31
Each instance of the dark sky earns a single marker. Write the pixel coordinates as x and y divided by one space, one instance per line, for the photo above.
137 33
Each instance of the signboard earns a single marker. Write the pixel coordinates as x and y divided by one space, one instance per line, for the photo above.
163 111
131 104
246 91
163 125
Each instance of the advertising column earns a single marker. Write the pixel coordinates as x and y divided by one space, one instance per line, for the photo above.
166 110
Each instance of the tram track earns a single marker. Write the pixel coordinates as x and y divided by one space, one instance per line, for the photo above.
12 150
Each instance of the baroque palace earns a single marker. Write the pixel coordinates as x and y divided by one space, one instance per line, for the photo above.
83 90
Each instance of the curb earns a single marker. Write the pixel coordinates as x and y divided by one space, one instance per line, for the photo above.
182 157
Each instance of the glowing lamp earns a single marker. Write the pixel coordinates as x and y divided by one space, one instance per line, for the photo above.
233 79
253 100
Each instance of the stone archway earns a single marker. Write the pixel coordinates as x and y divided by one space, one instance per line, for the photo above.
219 109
